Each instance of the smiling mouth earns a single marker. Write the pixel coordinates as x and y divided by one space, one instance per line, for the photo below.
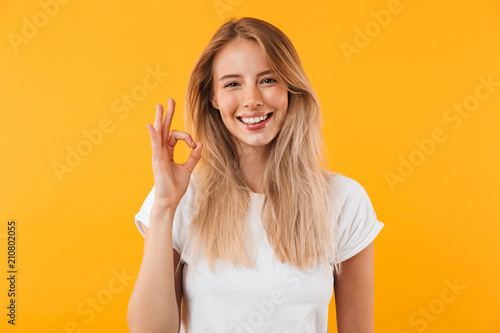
255 120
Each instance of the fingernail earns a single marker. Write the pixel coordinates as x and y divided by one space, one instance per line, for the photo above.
169 100
157 107
193 144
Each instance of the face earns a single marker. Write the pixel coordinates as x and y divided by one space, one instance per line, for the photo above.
251 101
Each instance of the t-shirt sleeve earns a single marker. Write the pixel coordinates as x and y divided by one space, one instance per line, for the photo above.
357 221
180 217
144 212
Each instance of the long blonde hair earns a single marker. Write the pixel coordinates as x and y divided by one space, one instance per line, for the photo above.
297 204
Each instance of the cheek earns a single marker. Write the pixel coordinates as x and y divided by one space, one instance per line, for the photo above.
282 105
281 102
285 102
280 97
228 102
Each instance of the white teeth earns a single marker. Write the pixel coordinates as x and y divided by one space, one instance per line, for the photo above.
254 120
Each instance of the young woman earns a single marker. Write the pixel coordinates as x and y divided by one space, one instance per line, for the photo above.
255 238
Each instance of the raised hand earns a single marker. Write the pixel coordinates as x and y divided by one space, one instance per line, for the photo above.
171 179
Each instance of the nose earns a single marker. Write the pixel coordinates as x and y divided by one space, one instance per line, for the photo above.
253 99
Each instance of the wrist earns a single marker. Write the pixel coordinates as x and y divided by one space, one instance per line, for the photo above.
163 209
162 213
164 204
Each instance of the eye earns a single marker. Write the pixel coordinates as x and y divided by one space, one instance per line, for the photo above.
269 80
230 84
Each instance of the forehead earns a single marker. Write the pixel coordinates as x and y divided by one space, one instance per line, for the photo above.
238 56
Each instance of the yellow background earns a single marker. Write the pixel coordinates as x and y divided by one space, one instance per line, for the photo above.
76 232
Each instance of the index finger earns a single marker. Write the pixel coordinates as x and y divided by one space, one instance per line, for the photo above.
169 115
158 122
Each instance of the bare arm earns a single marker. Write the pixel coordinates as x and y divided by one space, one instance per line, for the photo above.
154 305
354 293
178 274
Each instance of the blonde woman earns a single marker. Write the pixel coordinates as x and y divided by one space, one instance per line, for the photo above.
260 233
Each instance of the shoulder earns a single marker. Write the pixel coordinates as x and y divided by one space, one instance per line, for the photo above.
354 219
350 202
343 187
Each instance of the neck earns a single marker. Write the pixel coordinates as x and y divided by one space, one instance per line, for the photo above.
253 161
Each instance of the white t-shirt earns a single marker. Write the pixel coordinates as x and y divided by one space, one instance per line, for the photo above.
271 297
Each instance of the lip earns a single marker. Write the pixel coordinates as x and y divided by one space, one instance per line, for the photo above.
254 127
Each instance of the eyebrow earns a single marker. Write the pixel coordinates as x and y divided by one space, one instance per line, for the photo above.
238 75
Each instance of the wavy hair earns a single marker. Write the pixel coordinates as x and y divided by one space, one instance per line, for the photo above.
297 204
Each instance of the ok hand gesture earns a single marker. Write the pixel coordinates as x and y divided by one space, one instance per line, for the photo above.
171 179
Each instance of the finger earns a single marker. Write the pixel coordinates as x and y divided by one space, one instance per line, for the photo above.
153 136
177 135
168 121
194 157
158 120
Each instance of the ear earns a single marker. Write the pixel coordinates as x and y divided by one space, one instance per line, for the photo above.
213 100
